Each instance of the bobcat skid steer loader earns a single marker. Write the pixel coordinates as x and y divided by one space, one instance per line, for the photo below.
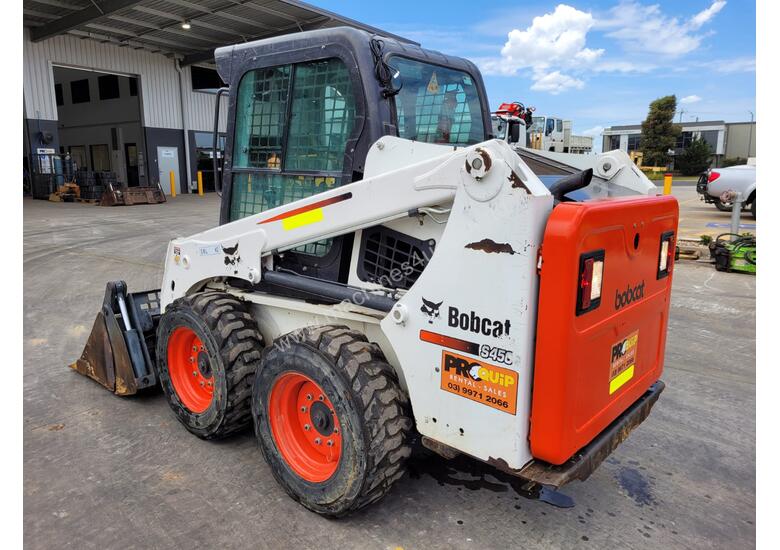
386 272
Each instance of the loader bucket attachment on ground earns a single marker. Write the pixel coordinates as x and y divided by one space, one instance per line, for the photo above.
116 196
119 353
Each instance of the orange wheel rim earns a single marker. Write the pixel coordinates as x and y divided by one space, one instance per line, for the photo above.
190 370
305 427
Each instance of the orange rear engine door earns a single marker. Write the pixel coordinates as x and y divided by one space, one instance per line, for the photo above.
595 359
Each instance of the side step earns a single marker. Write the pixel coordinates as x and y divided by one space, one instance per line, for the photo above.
117 353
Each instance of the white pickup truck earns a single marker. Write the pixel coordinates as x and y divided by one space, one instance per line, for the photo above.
718 185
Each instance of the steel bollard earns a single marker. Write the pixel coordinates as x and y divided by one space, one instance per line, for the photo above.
667 184
736 211
173 183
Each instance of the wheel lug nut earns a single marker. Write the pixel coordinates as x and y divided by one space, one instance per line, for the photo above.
202 383
194 348
308 396
211 383
303 409
306 427
192 359
330 443
194 373
335 430
322 398
318 441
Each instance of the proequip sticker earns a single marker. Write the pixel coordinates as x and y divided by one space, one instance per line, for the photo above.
482 382
621 367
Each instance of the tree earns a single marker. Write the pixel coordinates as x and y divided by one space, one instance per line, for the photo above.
659 133
695 159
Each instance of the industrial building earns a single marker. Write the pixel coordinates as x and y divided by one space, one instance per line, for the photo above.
727 140
128 87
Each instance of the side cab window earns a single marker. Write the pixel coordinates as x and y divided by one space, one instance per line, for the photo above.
291 129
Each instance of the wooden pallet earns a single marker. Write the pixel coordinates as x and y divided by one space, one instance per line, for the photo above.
87 201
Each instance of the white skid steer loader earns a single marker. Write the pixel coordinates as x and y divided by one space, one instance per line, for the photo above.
385 272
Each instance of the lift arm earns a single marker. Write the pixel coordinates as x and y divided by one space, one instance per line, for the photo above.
435 175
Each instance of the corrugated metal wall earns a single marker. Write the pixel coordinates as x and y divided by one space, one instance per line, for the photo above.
159 80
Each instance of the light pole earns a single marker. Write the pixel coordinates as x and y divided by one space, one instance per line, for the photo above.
750 135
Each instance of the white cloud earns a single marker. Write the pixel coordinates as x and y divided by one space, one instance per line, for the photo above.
622 67
735 65
645 28
705 15
553 42
553 51
690 99
555 82
553 38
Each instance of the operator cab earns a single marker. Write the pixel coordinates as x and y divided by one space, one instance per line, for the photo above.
305 109
509 129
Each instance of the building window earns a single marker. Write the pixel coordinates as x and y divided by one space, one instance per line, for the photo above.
78 153
58 95
205 80
100 159
133 86
634 141
108 87
79 91
710 137
614 143
684 140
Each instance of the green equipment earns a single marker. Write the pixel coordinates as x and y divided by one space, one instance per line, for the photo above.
734 252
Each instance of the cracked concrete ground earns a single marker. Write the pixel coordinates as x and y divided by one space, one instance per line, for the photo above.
107 472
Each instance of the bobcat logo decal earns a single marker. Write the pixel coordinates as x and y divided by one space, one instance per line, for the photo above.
431 309
231 257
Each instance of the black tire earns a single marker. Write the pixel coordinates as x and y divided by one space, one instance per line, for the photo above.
720 205
370 407
233 346
753 207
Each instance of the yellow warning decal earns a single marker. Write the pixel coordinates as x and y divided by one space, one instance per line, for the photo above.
304 218
433 84
623 361
620 379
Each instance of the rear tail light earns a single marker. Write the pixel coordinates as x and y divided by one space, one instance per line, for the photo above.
589 281
713 176
665 254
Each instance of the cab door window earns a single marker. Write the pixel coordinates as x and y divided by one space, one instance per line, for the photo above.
550 126
292 126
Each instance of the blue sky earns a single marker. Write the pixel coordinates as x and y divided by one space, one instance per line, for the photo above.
598 63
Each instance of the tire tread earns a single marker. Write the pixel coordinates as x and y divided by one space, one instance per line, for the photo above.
240 344
385 407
